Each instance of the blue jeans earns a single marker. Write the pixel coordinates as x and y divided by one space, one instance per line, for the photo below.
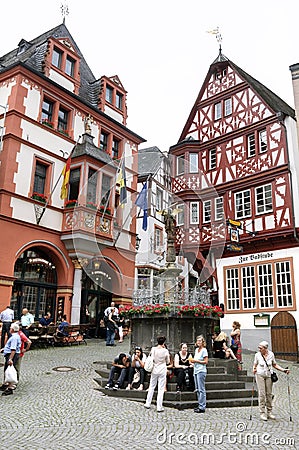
122 375
110 337
199 380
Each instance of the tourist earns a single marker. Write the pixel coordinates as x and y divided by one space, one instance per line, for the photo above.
200 362
46 320
136 370
236 340
27 320
183 369
219 341
120 366
11 354
264 361
25 346
6 317
111 327
161 358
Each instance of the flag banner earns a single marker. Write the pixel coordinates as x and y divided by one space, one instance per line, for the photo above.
141 201
121 180
66 178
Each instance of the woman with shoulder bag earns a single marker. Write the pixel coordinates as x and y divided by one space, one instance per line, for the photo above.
264 361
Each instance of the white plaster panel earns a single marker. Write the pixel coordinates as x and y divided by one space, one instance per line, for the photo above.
5 92
269 222
114 114
23 210
52 143
31 101
61 80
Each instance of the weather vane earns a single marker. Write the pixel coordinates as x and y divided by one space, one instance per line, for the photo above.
218 36
64 10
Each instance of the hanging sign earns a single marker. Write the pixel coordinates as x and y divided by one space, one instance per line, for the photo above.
234 247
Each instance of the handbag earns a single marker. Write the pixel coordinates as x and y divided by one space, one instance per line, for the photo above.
11 375
149 363
274 376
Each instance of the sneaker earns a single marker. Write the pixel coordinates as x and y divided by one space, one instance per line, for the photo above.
3 387
160 410
198 410
271 416
146 406
116 387
108 386
264 417
128 387
7 392
140 388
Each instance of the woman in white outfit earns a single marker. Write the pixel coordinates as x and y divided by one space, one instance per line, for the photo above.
161 359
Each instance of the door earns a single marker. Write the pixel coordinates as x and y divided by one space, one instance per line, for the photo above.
284 336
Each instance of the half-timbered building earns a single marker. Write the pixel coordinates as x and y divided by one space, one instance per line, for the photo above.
235 178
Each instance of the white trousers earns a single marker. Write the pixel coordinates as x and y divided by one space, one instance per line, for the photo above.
159 378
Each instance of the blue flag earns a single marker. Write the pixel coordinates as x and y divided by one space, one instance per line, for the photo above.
141 201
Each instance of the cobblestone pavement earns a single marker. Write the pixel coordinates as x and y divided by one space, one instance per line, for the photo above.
62 410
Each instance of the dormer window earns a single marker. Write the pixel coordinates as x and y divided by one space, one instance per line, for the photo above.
69 66
64 59
109 94
119 100
57 58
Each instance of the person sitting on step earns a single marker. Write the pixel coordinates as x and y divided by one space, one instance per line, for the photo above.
183 369
121 367
136 370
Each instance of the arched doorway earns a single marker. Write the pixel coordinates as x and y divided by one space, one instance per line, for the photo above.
35 285
284 336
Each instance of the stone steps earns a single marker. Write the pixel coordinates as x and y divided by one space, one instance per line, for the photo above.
225 387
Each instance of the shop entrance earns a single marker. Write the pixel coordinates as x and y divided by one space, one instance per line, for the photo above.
35 285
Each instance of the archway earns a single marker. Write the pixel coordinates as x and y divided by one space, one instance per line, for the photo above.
35 285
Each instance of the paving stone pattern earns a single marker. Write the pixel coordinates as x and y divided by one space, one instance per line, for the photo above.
63 410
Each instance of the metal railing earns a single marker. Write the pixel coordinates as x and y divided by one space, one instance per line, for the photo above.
192 297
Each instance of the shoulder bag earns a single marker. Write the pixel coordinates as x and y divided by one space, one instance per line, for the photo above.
149 362
274 376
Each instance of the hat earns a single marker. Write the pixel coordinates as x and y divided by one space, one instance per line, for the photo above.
15 326
264 344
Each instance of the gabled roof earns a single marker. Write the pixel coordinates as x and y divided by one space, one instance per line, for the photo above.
272 100
34 54
149 161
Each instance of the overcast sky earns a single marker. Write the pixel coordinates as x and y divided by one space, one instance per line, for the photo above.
161 51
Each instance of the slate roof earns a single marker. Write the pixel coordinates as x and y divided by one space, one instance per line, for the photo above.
149 160
87 147
33 57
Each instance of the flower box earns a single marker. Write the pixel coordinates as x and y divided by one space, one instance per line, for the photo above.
199 310
39 197
71 203
91 205
47 123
